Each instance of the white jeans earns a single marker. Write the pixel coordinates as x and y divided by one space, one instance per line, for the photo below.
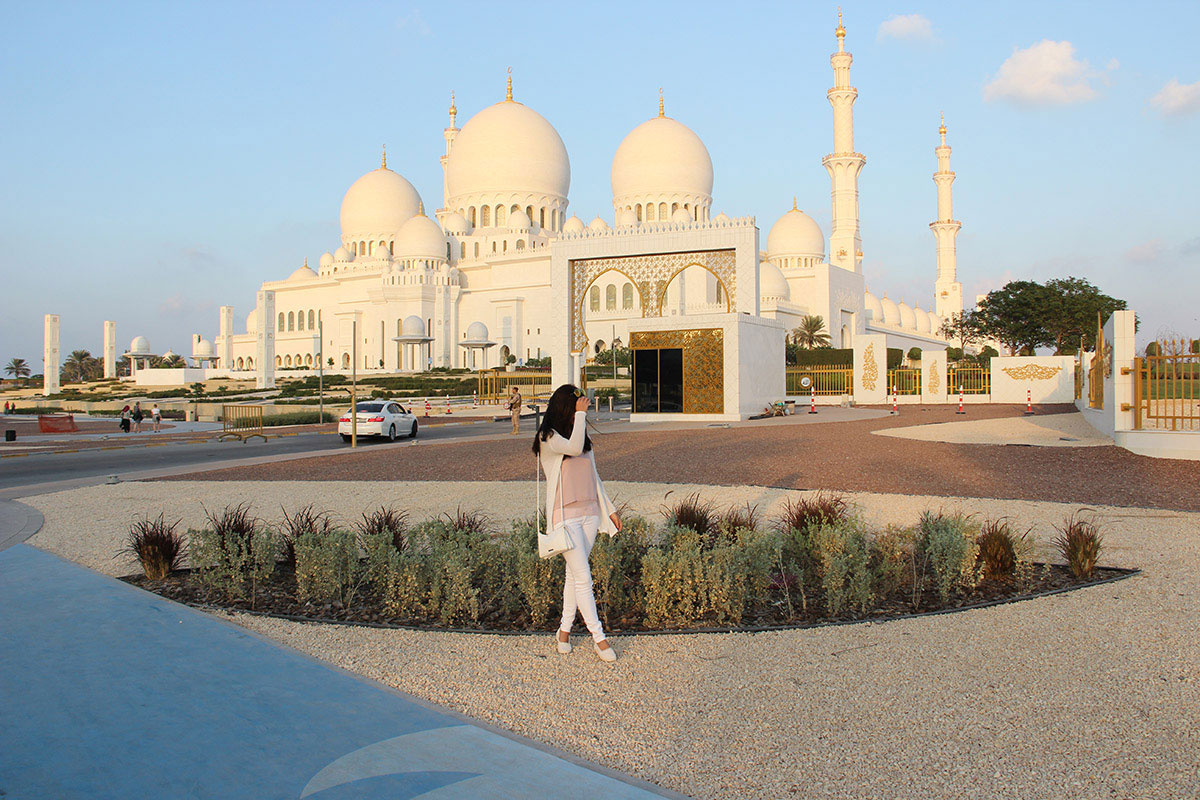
577 590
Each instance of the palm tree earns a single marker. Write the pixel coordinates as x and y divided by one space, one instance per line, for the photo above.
18 368
811 332
80 366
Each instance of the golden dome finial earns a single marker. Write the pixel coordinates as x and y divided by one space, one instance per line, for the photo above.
383 161
508 94
453 107
661 112
942 127
306 261
841 29
421 208
794 203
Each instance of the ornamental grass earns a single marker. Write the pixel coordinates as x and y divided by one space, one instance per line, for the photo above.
156 546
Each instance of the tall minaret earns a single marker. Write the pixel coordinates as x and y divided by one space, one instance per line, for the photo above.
450 133
843 164
947 290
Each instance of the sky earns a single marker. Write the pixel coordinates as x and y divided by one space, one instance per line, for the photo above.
159 160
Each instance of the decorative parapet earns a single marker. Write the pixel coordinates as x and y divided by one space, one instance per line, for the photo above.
660 227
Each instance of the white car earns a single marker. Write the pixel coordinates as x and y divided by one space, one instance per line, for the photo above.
380 418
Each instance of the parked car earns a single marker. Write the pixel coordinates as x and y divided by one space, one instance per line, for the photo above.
380 418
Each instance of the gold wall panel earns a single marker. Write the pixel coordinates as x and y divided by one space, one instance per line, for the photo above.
1032 372
703 364
870 368
935 380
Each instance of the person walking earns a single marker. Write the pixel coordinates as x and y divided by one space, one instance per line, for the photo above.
514 406
138 416
156 418
575 494
125 416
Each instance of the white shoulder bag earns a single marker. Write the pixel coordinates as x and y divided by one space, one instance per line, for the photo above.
557 539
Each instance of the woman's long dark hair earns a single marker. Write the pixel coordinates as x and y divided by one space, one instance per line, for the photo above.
560 417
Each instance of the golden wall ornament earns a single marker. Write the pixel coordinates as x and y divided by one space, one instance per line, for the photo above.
650 274
870 369
1032 372
935 379
703 364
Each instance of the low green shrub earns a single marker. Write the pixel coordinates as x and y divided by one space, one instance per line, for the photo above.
843 552
234 553
298 418
948 547
328 567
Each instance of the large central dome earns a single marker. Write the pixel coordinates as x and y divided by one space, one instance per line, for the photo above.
662 160
507 148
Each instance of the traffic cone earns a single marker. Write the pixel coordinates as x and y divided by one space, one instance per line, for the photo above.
1028 402
960 400
427 407
448 411
812 409
895 402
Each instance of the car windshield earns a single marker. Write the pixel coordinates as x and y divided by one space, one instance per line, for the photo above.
370 407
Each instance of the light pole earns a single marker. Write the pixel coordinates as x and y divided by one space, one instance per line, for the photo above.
321 371
353 383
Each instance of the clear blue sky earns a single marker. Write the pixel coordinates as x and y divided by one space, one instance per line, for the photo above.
161 159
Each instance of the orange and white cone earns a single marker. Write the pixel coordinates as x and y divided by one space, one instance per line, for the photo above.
448 411
812 409
895 402
1028 402
427 407
960 400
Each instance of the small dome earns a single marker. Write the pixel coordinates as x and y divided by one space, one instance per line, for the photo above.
456 224
796 234
303 273
771 283
327 259
661 157
891 313
252 322
722 219
598 224
907 318
342 254
507 147
682 215
421 238
377 204
139 345
203 349
924 324
412 326
873 306
573 225
477 332
519 220
626 218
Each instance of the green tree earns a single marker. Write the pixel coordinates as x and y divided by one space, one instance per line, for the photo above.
80 366
811 334
17 368
963 327
1015 315
620 353
1072 308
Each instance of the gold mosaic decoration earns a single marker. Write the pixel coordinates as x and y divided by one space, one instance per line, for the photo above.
870 368
651 274
703 364
935 379
1032 372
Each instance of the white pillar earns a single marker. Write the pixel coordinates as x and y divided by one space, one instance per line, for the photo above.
110 349
870 369
843 164
947 289
225 353
50 355
933 376
264 352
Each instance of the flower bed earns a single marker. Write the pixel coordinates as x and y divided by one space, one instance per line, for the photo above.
701 569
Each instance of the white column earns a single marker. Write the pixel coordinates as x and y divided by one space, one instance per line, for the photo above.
933 376
870 369
110 349
264 351
843 164
947 289
225 353
50 355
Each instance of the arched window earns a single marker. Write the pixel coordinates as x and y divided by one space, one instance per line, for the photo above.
501 216
515 208
594 298
383 245
520 244
308 359
291 321
554 219
662 210
599 346
610 297
310 320
287 361
485 217
477 249
282 321
638 210
241 363
300 321
392 247
278 361
529 213
650 212
447 251
249 363
627 296
345 361
674 208
506 245
542 217
471 216
362 248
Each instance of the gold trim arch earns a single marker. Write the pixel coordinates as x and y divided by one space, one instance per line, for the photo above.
651 275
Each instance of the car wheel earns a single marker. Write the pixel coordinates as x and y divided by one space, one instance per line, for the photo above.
413 433
345 437
392 434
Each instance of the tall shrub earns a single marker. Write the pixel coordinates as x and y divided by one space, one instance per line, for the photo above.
233 553
948 547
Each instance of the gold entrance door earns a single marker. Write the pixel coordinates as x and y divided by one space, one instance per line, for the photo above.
679 371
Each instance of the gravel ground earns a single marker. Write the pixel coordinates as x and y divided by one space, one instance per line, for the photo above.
1093 693
836 455
1050 430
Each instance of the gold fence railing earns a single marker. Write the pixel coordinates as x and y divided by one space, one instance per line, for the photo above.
242 422
820 379
970 380
494 385
1078 379
1166 389
904 380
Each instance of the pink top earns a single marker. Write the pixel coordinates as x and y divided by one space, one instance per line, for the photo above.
577 489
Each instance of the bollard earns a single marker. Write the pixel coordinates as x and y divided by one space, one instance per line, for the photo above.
895 402
610 403
812 409
427 407
1028 402
474 400
448 411
960 400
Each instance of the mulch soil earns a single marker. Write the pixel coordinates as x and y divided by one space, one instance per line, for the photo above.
278 597
837 456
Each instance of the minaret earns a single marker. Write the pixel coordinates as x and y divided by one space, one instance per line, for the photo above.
843 164
947 290
450 133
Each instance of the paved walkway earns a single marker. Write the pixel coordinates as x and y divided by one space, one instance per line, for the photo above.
112 692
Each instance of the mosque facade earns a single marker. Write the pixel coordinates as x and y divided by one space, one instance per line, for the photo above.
470 283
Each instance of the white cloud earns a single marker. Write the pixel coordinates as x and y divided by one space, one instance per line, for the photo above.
1145 253
1176 98
1044 74
909 27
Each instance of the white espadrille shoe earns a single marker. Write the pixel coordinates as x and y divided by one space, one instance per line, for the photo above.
563 647
607 654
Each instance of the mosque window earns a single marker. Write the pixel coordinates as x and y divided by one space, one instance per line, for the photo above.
362 248
471 216
529 212
515 208
542 217
610 297
447 251
287 361
485 217
650 212
249 363
477 249
594 299
291 321
627 296
308 359
554 219
506 245
501 216
241 363
520 244
662 210
310 320
300 321
674 208
281 321
278 361
638 211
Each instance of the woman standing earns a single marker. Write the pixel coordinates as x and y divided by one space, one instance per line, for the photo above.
156 418
575 494
138 416
125 419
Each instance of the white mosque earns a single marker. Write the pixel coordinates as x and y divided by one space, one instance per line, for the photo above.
470 285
